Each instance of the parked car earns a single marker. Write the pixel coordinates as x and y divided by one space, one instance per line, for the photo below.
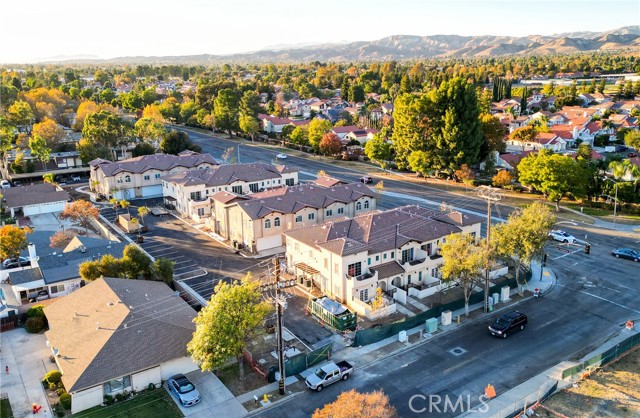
628 253
37 297
366 179
329 374
621 148
508 323
4 184
281 156
11 263
562 236
76 178
184 390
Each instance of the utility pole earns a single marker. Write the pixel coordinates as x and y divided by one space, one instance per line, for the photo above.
490 195
281 383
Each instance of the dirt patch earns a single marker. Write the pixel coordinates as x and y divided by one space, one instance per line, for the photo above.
611 392
230 376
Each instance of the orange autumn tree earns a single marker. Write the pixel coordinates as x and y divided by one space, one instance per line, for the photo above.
353 404
80 211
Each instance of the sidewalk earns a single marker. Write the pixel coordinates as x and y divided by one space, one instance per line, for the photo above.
597 222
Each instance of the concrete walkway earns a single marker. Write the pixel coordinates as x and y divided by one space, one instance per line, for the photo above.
27 356
597 222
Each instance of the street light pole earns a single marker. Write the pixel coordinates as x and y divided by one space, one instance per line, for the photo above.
615 206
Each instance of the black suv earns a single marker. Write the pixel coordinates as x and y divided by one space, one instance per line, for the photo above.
508 323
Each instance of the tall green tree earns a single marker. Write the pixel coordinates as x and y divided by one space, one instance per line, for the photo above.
299 136
225 111
409 133
378 149
248 114
163 269
493 135
228 322
20 113
523 236
554 175
39 149
175 142
316 130
464 263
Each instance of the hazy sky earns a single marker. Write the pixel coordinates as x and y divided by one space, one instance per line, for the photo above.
41 29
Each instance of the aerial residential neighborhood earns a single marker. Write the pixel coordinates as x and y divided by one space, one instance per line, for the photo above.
422 213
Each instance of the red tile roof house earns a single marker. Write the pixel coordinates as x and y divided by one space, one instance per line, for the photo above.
273 124
544 140
116 335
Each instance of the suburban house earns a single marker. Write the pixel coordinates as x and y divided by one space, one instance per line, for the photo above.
506 105
60 163
35 199
56 275
361 135
394 250
510 160
544 140
256 222
273 124
189 191
116 335
342 131
140 177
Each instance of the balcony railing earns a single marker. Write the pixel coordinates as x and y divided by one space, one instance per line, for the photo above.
416 261
365 276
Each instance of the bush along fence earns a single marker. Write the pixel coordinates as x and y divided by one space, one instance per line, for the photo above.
379 333
603 358
302 362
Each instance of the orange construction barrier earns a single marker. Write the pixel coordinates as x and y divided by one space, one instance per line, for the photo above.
490 392
629 324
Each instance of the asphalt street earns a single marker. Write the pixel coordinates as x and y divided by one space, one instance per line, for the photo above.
594 296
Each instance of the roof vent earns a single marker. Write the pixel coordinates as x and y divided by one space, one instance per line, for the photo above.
124 326
83 249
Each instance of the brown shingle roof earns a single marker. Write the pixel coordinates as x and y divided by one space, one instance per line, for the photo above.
114 327
388 269
305 195
17 197
161 162
226 174
379 231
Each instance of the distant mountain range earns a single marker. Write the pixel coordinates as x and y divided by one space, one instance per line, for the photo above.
407 47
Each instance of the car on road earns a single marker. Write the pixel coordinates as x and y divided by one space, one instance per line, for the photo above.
628 253
184 390
508 323
281 156
366 179
562 236
11 263
4 184
328 374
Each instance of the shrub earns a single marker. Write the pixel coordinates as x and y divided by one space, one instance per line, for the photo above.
108 400
61 391
36 311
59 410
53 377
34 325
65 401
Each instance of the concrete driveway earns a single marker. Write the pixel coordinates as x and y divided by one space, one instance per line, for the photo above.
27 356
217 400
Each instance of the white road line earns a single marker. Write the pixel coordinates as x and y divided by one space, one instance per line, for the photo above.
190 265
601 298
564 255
154 245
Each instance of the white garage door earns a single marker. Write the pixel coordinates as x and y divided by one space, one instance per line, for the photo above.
43 208
149 191
266 243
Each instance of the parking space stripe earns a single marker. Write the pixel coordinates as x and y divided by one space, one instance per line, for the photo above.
164 254
186 267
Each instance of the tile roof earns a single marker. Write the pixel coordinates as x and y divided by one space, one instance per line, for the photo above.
292 199
326 181
379 231
229 173
387 270
345 129
160 162
227 197
114 327
17 197
274 120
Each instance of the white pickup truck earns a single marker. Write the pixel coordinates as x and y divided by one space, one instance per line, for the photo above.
328 374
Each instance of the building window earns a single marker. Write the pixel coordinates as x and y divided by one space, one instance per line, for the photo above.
147 177
329 212
267 223
359 206
56 288
426 248
127 179
276 222
364 295
290 182
409 280
366 204
393 255
236 189
157 176
354 269
407 255
326 263
377 258
311 216
335 268
298 218
195 196
200 211
369 261
384 256
340 211
419 276
117 385
254 187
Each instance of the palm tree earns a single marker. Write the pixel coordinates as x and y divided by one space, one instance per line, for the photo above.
621 169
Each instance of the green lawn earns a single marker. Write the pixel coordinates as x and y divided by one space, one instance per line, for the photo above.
154 404
5 409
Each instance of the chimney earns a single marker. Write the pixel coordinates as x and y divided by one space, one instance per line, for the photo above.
32 255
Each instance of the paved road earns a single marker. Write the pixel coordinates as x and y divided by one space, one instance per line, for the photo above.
596 293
